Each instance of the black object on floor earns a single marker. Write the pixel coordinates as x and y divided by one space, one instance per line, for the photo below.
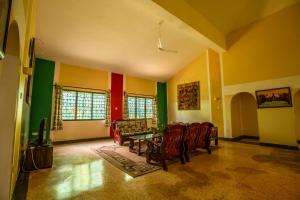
21 187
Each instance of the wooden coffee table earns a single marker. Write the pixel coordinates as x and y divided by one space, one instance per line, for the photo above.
138 138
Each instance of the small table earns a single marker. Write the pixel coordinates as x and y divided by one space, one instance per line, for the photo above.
39 156
139 138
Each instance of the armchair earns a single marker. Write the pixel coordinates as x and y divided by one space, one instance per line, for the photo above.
171 146
197 136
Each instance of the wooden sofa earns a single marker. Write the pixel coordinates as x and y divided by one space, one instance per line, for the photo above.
123 129
178 141
169 147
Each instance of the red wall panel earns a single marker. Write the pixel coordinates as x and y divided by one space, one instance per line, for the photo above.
116 97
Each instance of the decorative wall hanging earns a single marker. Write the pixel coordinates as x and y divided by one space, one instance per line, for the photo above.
188 96
5 6
273 98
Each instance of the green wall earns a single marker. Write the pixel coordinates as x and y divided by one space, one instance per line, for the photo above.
41 100
162 104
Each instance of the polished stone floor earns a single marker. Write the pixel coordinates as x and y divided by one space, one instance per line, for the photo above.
233 171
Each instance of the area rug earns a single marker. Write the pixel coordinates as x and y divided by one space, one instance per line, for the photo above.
130 163
134 165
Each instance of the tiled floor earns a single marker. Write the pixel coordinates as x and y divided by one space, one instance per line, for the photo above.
233 171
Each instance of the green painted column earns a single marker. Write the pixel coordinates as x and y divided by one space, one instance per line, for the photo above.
162 108
41 100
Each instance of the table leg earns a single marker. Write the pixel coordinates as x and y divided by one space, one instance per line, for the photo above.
139 148
131 144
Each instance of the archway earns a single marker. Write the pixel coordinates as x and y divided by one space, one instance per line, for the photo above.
9 86
297 114
244 115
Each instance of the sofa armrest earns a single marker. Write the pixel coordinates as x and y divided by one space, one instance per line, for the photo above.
117 132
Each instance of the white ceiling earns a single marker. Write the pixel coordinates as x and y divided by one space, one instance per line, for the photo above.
121 35
116 35
230 15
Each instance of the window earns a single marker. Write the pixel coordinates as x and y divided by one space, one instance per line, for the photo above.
78 105
140 107
68 105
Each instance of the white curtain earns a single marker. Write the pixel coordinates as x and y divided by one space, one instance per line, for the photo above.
108 114
154 110
57 119
125 106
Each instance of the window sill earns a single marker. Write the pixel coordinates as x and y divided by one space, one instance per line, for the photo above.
80 120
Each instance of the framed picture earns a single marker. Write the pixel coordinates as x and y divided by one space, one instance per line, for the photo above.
29 80
31 53
188 96
274 98
5 6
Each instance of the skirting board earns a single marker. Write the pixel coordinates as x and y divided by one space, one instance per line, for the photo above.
79 140
237 139
280 146
240 138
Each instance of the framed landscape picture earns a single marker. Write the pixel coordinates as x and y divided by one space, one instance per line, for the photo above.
188 96
4 21
274 98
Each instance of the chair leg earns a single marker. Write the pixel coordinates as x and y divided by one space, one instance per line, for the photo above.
182 159
208 150
207 144
186 152
164 165
148 158
186 156
216 141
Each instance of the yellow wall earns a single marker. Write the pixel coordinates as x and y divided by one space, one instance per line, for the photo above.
195 71
140 86
265 55
69 75
189 15
23 14
277 126
297 114
236 125
216 90
1 63
76 76
83 77
264 50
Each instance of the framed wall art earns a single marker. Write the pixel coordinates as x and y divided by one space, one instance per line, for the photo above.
5 6
274 98
29 80
188 96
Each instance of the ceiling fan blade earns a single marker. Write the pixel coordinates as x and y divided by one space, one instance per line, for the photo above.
159 44
168 50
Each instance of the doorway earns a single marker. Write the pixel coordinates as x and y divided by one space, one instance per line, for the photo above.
244 116
297 114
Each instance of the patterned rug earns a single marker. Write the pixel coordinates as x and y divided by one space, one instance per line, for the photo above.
130 163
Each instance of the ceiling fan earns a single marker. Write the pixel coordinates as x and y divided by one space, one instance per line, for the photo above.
159 43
